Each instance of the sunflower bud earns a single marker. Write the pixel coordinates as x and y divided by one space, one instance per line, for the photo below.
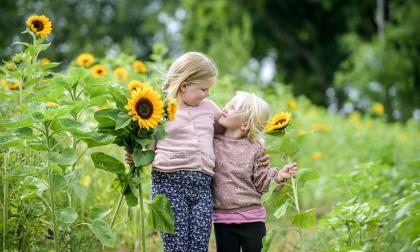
17 58
11 66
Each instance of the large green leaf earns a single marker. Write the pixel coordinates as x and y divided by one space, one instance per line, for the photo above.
74 127
108 163
106 117
143 158
123 120
96 139
161 216
103 231
96 212
67 215
130 197
304 219
281 210
305 174
65 157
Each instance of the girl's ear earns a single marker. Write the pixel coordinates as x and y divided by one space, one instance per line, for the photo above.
245 126
183 86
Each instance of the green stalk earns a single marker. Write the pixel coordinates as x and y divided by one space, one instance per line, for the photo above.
52 202
5 201
114 217
296 201
141 233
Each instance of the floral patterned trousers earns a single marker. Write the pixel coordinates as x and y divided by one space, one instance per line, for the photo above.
189 193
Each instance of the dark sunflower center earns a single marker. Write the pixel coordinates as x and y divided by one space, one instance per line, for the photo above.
99 71
280 121
39 26
144 108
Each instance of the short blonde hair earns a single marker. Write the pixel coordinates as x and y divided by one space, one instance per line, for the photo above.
255 109
193 67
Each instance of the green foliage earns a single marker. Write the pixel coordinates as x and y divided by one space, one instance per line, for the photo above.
161 216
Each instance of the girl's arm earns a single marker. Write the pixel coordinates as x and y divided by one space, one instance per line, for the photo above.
262 175
218 129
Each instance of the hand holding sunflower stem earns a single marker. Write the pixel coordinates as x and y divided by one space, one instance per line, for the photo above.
277 127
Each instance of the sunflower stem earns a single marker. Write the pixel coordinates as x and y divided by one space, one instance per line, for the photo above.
5 201
141 227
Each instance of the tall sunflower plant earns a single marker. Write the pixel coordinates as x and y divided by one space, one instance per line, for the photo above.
286 146
137 122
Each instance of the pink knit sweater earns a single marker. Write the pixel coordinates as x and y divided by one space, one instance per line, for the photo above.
238 182
189 141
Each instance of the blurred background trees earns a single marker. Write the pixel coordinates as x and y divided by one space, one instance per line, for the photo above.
345 55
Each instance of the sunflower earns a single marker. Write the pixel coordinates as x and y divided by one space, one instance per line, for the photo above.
171 109
378 108
98 70
135 84
13 85
317 155
4 83
85 59
45 61
120 73
146 107
139 66
278 123
51 104
40 25
291 104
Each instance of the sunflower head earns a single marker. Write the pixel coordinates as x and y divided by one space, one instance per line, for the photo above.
145 107
135 84
278 123
45 61
139 66
40 25
13 85
171 109
98 70
378 109
120 73
85 59
291 104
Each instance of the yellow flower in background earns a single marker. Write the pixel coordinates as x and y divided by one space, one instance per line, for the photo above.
40 25
278 122
135 84
139 66
13 85
145 107
85 59
378 108
120 73
98 70
171 109
317 155
86 180
51 104
291 104
4 84
321 127
45 61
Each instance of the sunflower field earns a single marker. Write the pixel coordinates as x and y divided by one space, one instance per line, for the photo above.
66 186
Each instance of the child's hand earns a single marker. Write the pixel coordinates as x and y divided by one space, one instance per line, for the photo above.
264 160
286 172
128 157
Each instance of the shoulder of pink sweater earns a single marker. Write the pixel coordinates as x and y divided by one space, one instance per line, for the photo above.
211 104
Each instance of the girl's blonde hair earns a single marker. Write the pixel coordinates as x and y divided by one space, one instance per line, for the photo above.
255 109
193 67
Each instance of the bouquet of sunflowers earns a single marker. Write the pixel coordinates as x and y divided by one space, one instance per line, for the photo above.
136 123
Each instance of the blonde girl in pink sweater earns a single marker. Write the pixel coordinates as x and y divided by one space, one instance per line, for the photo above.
183 166
239 182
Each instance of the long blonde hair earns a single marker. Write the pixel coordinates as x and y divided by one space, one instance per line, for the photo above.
193 67
256 110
